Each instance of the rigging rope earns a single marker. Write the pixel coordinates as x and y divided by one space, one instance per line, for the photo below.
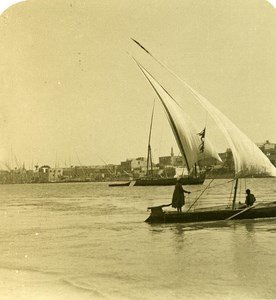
200 195
208 186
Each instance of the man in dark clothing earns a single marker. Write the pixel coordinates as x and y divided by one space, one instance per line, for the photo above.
178 199
250 198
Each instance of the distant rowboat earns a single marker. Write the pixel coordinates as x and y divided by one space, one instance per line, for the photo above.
188 180
120 184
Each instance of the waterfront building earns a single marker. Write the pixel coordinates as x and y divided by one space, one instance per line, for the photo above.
94 173
43 174
269 149
137 167
55 174
171 160
4 176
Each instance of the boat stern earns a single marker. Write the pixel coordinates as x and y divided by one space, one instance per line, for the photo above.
156 213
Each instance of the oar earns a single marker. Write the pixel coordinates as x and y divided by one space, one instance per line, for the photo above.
244 210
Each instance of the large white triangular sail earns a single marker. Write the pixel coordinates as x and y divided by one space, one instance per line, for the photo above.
186 136
248 158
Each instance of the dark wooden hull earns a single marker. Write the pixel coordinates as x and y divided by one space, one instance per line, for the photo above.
159 216
120 184
168 181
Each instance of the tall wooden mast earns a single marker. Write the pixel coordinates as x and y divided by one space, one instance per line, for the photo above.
149 158
235 193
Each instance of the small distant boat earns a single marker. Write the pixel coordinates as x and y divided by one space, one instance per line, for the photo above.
119 184
249 160
188 180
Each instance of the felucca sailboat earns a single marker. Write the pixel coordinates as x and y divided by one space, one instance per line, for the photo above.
191 151
249 160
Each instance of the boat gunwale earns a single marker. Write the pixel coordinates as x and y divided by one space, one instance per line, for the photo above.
212 215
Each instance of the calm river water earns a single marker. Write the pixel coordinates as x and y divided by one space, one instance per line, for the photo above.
89 241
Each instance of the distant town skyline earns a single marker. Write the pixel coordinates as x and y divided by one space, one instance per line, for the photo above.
14 163
70 91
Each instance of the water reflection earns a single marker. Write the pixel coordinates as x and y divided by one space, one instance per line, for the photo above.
176 228
156 228
178 237
254 226
249 226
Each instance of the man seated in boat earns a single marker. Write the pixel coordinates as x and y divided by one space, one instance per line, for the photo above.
250 198
178 199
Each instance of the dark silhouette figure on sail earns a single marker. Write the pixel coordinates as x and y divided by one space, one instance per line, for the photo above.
178 199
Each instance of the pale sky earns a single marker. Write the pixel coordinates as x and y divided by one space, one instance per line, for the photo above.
71 93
